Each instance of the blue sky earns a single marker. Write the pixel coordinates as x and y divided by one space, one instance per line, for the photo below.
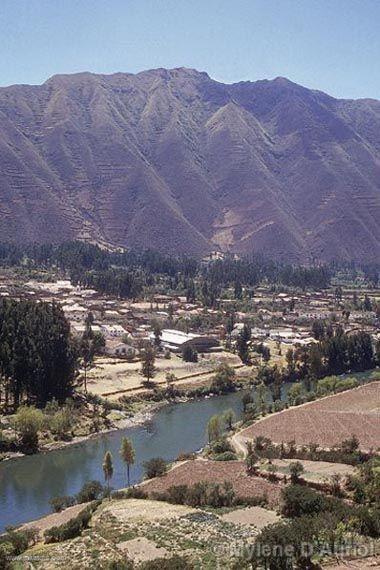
332 45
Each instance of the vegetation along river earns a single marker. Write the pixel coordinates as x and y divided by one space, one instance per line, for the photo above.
28 483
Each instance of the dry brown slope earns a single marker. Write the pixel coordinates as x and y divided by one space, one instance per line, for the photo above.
175 160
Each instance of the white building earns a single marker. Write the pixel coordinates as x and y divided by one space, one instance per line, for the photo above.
176 340
113 331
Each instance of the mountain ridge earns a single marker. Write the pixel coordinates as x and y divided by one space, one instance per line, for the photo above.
175 160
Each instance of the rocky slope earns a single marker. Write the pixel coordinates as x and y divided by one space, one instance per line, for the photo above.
174 160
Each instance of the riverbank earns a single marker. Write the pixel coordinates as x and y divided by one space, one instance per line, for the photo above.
139 418
28 483
146 405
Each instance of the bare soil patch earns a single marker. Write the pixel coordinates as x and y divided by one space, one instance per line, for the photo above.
315 470
138 509
113 376
252 516
141 549
55 519
191 472
326 422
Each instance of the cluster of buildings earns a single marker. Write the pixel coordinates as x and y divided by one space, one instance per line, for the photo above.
273 317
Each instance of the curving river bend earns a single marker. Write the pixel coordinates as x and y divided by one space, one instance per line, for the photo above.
28 483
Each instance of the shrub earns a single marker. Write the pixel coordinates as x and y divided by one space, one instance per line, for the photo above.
6 553
199 494
296 469
223 381
367 521
226 456
186 456
136 493
155 467
58 504
299 500
28 422
177 494
72 528
220 446
91 491
62 422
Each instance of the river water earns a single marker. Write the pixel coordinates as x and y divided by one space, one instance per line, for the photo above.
28 483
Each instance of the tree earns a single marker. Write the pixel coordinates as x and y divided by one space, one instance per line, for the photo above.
157 331
318 329
229 418
295 393
87 357
214 429
92 343
38 360
350 445
90 491
367 303
229 325
223 380
242 344
28 422
189 354
108 470
148 369
251 458
155 467
246 400
190 291
238 290
128 454
262 398
296 469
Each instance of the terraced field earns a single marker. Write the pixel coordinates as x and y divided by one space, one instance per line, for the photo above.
326 422
192 472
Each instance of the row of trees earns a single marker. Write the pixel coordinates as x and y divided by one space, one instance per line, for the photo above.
38 360
334 354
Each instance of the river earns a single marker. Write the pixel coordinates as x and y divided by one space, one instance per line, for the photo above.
28 483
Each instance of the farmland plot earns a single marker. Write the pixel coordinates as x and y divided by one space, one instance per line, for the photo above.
327 421
191 472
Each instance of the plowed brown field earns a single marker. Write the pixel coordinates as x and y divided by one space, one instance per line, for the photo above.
327 421
192 472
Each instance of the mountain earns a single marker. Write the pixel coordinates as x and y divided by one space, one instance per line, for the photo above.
174 160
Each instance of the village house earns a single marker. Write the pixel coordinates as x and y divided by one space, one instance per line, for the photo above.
120 349
113 331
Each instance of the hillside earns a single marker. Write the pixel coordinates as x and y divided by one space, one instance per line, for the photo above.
174 160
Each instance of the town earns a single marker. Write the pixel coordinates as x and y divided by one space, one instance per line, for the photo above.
249 344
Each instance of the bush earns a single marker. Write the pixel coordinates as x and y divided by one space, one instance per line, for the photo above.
6 553
199 494
136 493
186 456
220 446
223 381
226 456
367 521
91 491
72 528
61 423
299 500
58 504
28 422
155 467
